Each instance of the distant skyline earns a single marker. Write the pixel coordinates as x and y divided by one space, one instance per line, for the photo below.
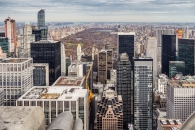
100 10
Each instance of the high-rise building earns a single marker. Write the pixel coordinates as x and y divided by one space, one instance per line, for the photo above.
1 97
37 34
151 51
187 54
102 67
41 74
10 33
110 112
68 63
63 60
124 88
158 34
109 62
4 45
44 33
16 78
48 52
126 42
181 98
75 69
168 51
162 80
143 87
41 18
26 38
57 99
187 32
176 67
79 52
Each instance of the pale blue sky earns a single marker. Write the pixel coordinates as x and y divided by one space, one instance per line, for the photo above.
100 10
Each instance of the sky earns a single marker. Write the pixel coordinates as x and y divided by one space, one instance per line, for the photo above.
100 10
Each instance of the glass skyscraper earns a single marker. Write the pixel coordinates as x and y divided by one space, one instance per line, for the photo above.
124 88
187 54
41 19
168 51
126 44
143 86
4 45
176 67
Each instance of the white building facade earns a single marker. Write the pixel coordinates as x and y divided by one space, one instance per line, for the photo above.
16 78
63 60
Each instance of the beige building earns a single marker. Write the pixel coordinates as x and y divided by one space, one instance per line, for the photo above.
169 124
2 55
109 115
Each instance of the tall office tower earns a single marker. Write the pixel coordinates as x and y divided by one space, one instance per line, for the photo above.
187 32
41 19
109 62
168 51
79 52
48 52
56 99
158 34
68 63
143 87
102 66
187 54
40 74
1 97
26 38
110 112
37 34
151 51
4 45
181 98
126 42
113 76
176 67
63 60
124 88
16 78
10 33
44 33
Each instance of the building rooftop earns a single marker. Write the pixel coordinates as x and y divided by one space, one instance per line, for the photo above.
176 62
40 64
183 82
69 81
126 33
13 60
54 93
170 124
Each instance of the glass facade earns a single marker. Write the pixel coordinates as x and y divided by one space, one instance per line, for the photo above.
41 18
168 51
39 75
37 34
186 49
124 88
176 67
126 45
68 63
143 86
48 53
4 45
44 33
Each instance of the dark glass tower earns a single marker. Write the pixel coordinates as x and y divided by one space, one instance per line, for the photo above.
41 19
126 44
176 67
4 45
124 88
187 54
143 86
37 34
48 52
168 51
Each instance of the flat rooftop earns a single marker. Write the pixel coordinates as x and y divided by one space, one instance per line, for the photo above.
40 64
183 82
170 124
126 33
54 93
13 60
69 81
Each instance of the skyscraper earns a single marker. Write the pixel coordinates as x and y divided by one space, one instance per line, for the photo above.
168 51
48 52
26 39
158 34
10 33
125 44
41 19
151 51
102 67
124 88
143 86
187 32
79 52
63 60
187 54
16 78
109 62
4 45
